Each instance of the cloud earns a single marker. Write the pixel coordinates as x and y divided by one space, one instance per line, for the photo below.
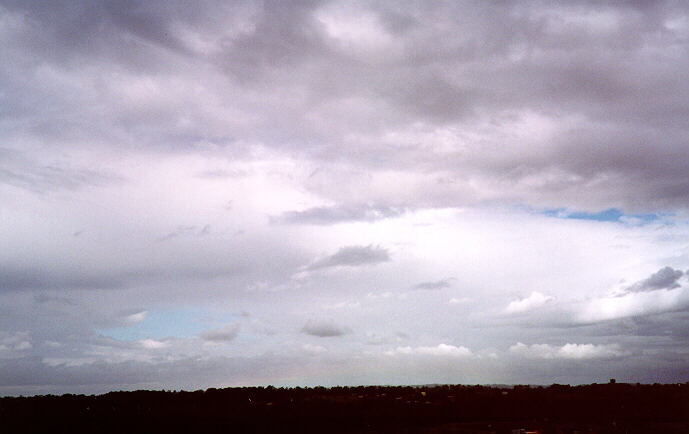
567 351
665 278
224 334
14 344
134 318
189 230
374 338
439 284
314 349
442 350
340 214
461 300
153 344
15 278
534 301
343 135
343 305
353 256
634 304
324 329
659 293
249 91
45 298
20 170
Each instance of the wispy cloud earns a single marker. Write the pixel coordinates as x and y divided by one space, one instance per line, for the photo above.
438 284
339 214
352 256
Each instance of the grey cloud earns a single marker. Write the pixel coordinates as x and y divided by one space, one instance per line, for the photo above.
353 256
224 334
665 278
89 277
324 329
100 24
181 230
29 375
339 214
447 64
283 35
666 329
440 284
46 298
186 230
19 170
15 278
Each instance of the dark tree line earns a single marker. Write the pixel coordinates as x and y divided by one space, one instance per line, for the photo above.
604 408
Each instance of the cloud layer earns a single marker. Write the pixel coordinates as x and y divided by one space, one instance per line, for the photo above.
277 192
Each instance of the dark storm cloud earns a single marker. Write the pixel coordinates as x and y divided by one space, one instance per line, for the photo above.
324 329
353 256
339 214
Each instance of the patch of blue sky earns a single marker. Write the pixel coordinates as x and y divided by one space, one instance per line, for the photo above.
167 323
608 215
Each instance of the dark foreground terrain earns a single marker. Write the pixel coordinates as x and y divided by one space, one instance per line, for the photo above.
596 408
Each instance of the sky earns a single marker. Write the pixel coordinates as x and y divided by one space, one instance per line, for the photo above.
304 193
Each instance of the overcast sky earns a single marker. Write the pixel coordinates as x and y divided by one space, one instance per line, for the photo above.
307 193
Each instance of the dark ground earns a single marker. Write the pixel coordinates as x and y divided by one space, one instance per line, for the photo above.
596 408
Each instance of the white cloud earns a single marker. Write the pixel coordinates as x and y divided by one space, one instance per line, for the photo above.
14 344
135 317
153 344
23 345
375 296
314 349
353 28
567 351
633 304
442 350
343 305
535 300
460 300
